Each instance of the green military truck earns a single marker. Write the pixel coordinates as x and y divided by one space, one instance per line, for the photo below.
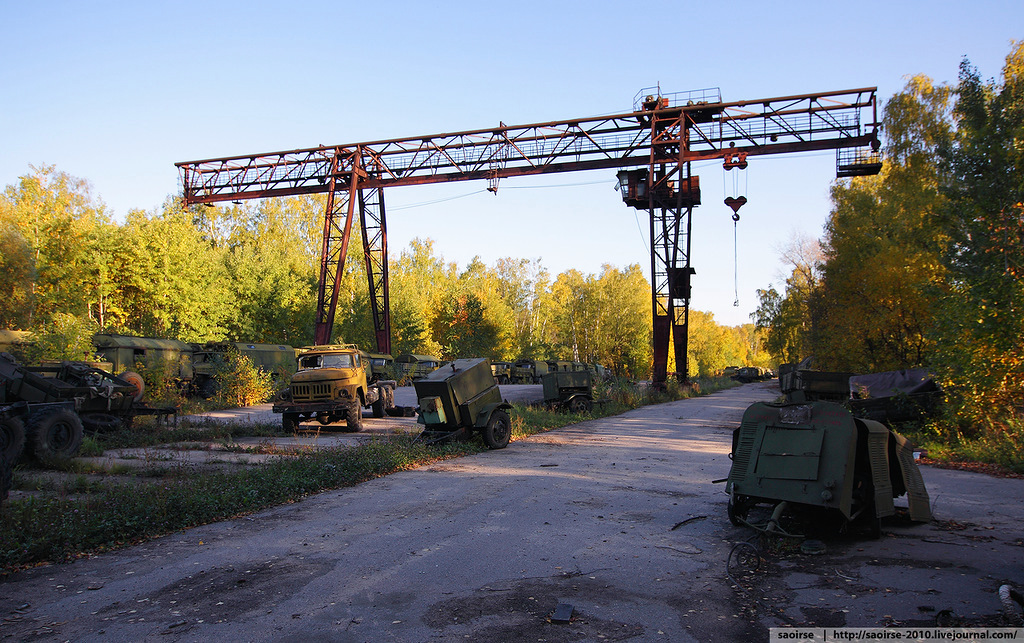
209 361
382 366
333 383
413 367
528 371
502 372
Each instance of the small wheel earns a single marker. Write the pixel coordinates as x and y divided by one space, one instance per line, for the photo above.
738 508
354 418
378 407
135 380
498 431
324 418
580 405
12 439
97 422
290 422
56 435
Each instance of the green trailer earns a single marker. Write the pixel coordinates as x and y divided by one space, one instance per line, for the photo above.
572 390
818 455
462 398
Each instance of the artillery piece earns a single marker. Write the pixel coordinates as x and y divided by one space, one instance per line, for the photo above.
49 406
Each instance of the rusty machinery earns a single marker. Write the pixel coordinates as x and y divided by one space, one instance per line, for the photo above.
653 146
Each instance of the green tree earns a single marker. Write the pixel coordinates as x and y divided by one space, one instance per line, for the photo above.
55 238
171 282
785 318
979 350
883 244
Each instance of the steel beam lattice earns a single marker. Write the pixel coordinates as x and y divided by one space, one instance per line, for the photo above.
666 134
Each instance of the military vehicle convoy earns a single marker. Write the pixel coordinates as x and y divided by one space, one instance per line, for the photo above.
332 383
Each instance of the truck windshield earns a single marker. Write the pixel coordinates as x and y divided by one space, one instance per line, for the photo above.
326 361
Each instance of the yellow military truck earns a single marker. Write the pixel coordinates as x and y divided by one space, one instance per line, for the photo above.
331 385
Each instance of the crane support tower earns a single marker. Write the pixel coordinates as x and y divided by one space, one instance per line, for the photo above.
653 146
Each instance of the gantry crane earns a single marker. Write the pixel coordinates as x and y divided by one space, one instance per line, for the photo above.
653 146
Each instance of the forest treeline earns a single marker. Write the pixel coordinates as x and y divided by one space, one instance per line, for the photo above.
923 265
248 272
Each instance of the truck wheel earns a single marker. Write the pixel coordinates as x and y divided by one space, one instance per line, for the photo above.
12 439
378 406
56 435
354 418
290 422
580 405
498 431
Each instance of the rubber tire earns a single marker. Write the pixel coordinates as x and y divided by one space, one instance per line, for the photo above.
290 422
580 405
12 439
378 407
135 380
354 418
498 431
99 422
738 508
55 435
6 478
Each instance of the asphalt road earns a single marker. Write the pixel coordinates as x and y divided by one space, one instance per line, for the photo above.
616 517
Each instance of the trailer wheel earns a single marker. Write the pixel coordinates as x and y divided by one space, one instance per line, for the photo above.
12 439
97 422
56 435
354 418
135 380
290 422
580 405
738 508
498 431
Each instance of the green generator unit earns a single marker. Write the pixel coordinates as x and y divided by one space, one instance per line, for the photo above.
818 454
461 398
572 390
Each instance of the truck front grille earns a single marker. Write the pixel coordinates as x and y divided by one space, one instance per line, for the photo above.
311 392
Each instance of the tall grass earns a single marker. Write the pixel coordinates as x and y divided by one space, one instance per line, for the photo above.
110 515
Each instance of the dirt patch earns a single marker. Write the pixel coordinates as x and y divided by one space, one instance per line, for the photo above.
218 594
521 611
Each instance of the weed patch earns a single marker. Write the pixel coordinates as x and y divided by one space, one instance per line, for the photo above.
85 515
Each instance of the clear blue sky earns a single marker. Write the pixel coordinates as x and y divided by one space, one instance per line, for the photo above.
117 92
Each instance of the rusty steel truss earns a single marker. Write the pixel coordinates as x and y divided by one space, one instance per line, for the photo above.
660 138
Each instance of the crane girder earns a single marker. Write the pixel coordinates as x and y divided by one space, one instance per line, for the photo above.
780 125
665 136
